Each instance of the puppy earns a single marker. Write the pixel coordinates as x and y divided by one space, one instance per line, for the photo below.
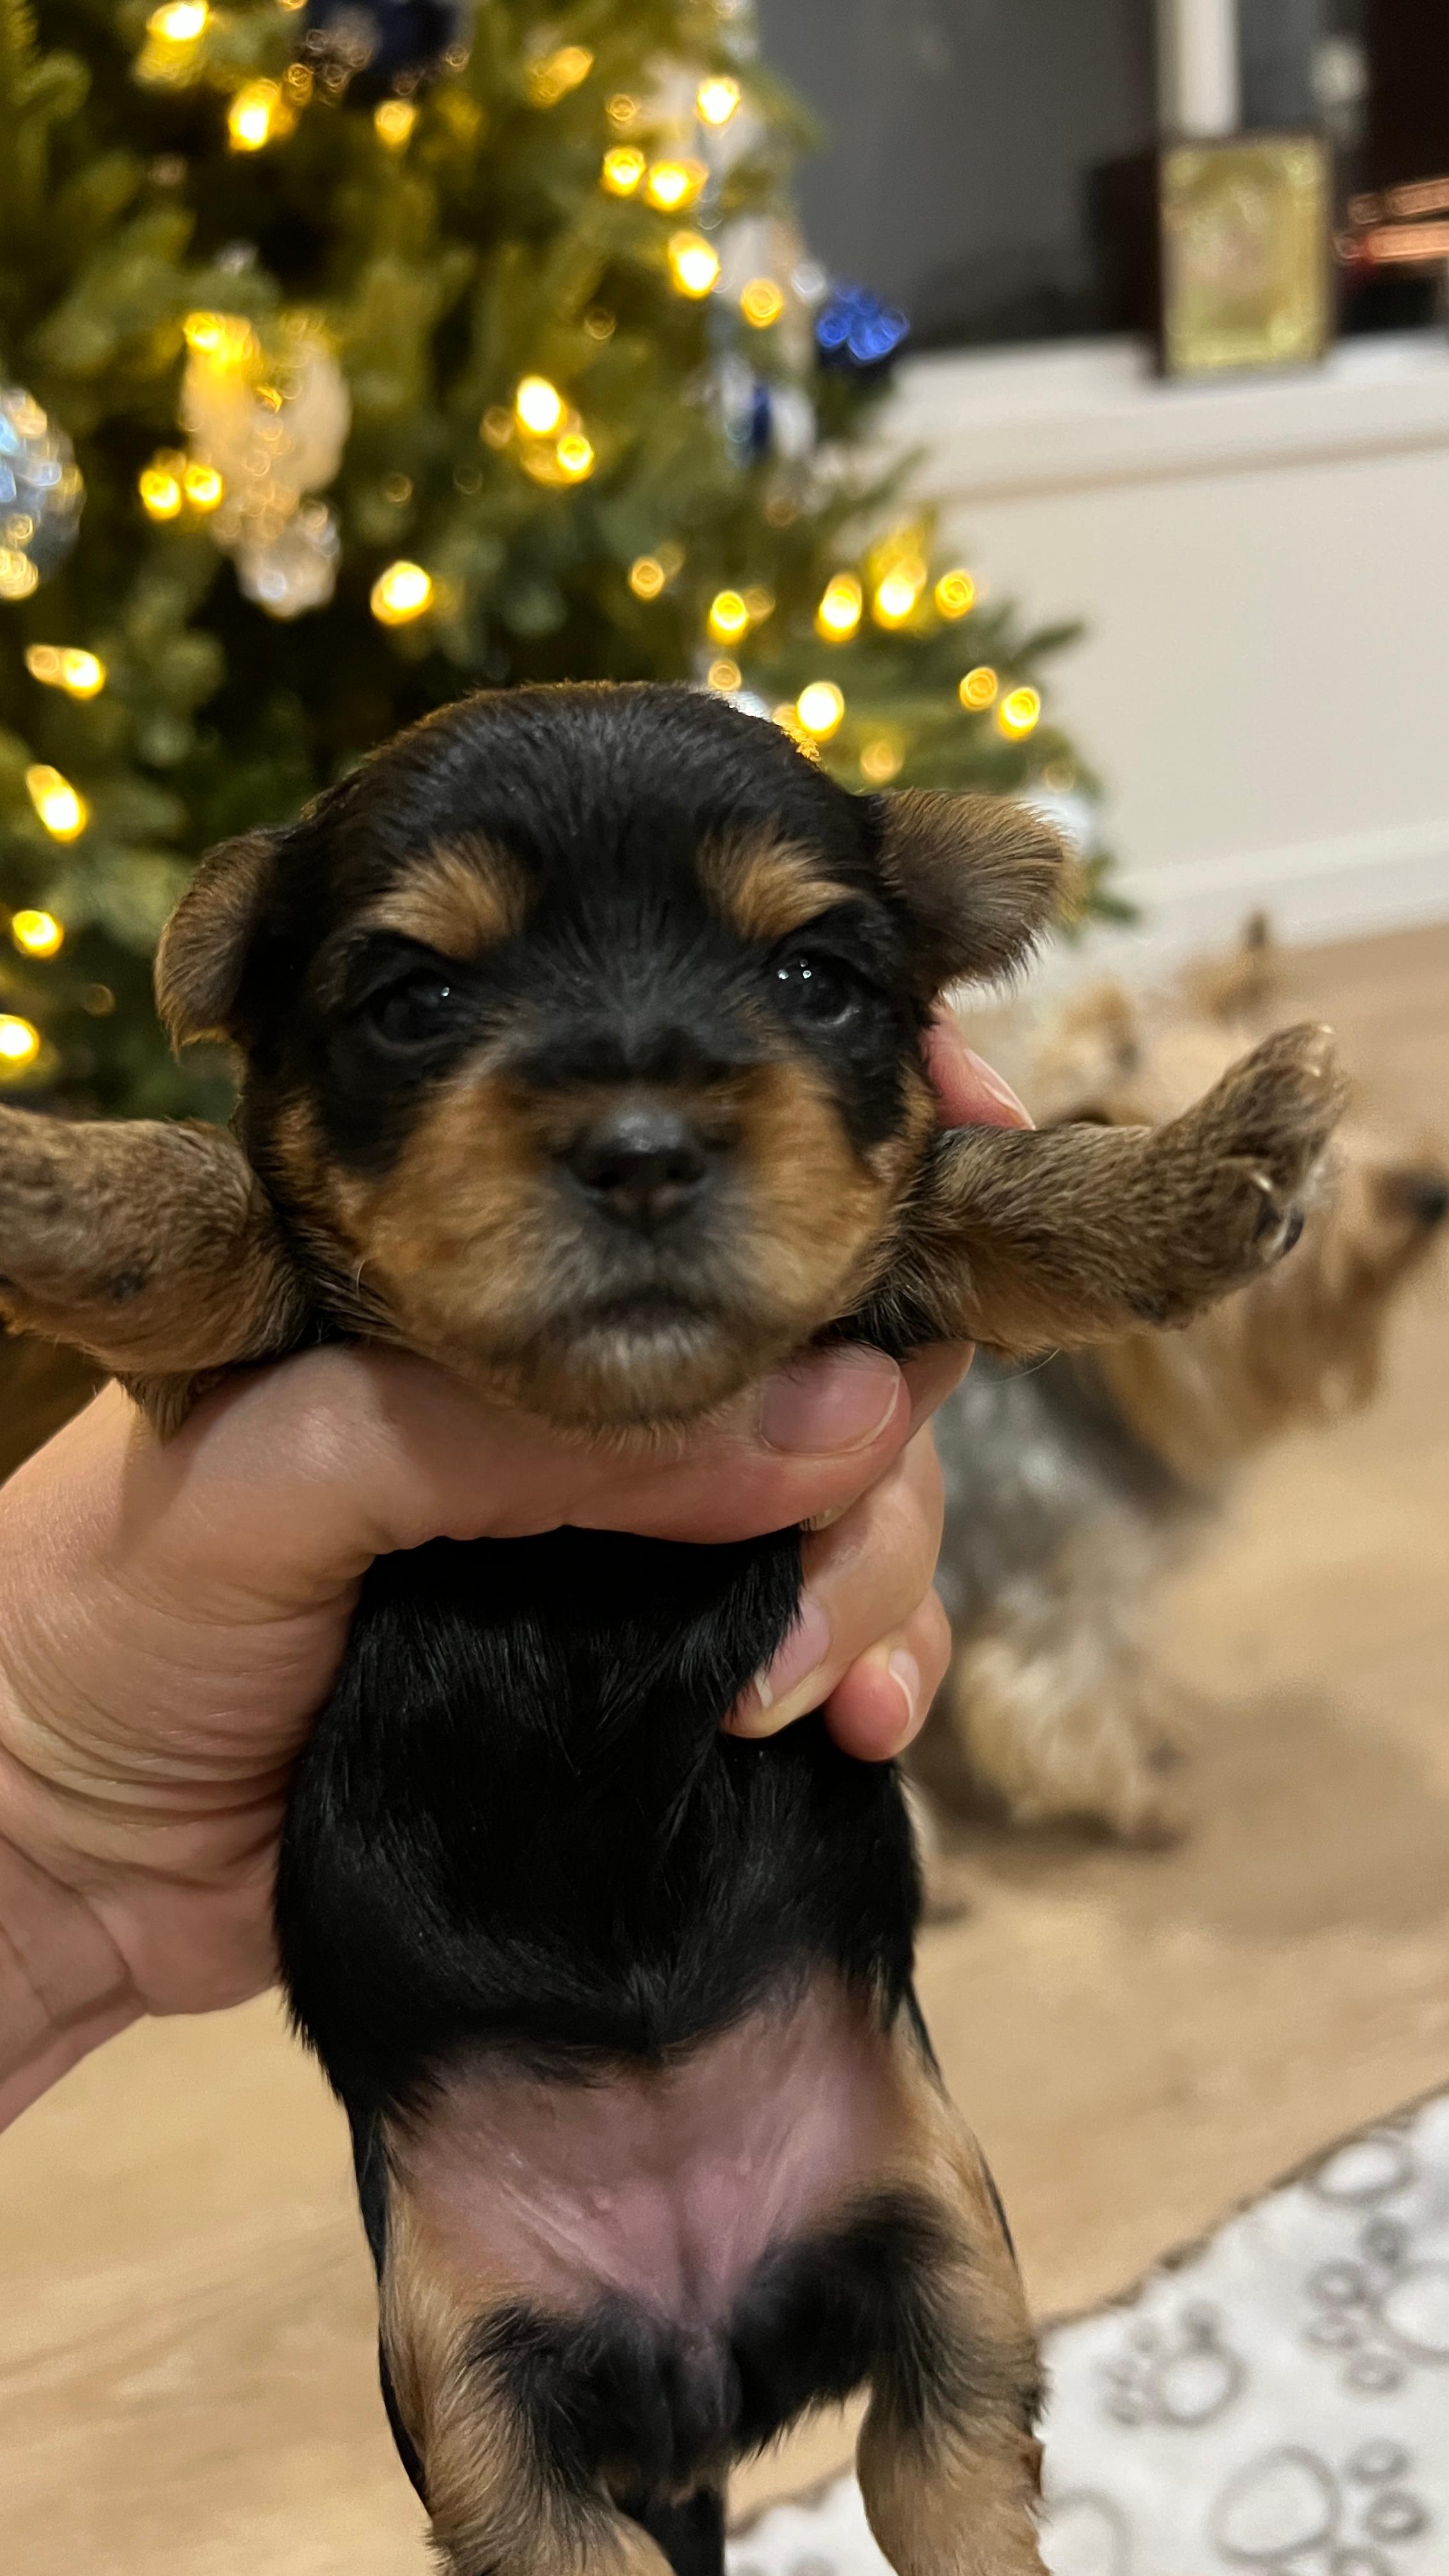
579 1037
1074 1487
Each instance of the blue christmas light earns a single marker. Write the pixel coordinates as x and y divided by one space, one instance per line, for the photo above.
854 329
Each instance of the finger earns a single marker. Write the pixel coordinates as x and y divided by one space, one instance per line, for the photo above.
969 1091
884 1699
864 1578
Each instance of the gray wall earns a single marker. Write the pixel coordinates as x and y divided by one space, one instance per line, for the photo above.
961 133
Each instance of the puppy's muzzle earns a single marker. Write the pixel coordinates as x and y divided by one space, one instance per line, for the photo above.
642 1165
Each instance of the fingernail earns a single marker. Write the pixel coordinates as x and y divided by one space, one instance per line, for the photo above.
906 1672
840 1401
995 1089
802 1654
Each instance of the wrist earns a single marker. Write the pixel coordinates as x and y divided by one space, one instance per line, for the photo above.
64 1987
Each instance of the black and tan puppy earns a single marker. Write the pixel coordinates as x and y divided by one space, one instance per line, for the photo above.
580 1039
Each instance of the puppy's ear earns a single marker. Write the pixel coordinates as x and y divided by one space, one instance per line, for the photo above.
204 945
981 877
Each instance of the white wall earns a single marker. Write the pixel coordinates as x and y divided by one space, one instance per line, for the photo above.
1264 570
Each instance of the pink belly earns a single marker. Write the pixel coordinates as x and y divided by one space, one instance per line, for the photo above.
666 2185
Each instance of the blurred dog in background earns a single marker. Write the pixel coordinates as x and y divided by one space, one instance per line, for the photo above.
1075 1486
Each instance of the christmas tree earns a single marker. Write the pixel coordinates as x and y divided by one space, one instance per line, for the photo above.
356 352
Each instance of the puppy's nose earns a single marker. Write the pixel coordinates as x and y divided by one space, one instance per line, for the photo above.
1428 1196
642 1165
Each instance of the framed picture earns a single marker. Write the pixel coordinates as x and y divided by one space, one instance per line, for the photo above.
1244 253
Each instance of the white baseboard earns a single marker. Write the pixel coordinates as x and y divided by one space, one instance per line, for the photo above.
1313 890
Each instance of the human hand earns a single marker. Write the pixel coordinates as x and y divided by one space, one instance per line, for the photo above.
171 1616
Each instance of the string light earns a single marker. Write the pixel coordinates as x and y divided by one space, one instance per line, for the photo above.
1019 712
160 485
978 688
539 406
223 338
760 603
624 167
647 577
394 119
838 614
693 263
575 457
180 22
81 675
558 73
729 618
762 303
36 934
881 760
64 813
672 185
19 1044
820 708
18 576
258 115
955 594
496 425
725 675
202 486
401 593
98 1000
599 323
717 98
898 592
622 109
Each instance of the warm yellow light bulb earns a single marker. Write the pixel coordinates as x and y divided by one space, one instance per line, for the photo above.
160 490
647 577
18 576
897 593
19 1043
551 78
955 594
256 115
673 184
1019 712
978 688
729 618
717 98
820 708
838 614
394 119
881 760
575 457
64 813
725 675
179 23
760 602
624 167
202 486
693 263
762 303
539 405
36 934
82 675
401 593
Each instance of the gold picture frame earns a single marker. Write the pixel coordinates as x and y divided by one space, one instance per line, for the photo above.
1245 253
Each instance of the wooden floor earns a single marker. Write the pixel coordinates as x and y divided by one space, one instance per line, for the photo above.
186 2379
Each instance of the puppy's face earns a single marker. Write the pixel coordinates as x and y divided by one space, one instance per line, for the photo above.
581 1033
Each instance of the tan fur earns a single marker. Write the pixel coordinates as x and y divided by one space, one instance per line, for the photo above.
981 876
765 888
461 900
203 946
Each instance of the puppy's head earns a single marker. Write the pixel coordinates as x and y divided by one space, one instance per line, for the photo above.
580 1033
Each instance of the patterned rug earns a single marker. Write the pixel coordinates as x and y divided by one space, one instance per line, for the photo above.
1276 2399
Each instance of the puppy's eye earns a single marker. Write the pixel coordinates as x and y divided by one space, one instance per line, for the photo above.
411 1013
819 988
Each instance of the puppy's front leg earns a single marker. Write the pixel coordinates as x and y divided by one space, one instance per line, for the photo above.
151 1246
1033 1241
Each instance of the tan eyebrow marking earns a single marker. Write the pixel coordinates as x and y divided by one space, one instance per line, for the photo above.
460 898
766 888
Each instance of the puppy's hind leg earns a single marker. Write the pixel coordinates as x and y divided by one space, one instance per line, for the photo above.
948 2460
149 1245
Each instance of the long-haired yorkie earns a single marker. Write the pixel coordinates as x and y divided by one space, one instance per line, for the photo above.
579 1035
1074 1487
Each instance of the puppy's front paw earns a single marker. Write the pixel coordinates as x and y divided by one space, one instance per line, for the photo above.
1234 1175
